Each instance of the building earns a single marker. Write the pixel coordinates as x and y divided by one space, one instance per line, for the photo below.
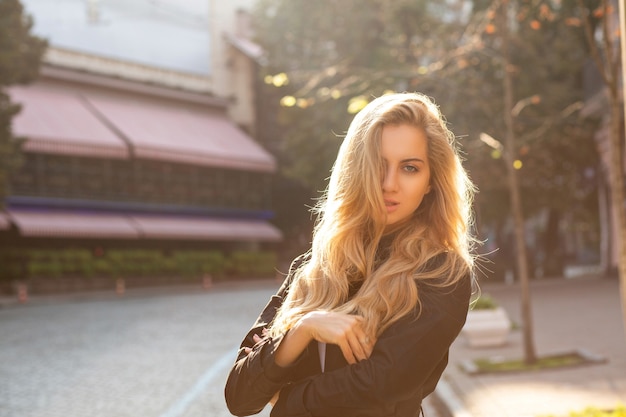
139 132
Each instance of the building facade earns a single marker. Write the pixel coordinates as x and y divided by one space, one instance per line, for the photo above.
139 132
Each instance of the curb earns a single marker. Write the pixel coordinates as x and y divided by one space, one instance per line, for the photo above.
132 293
450 400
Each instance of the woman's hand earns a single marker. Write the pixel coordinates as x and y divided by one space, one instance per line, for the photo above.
256 338
343 330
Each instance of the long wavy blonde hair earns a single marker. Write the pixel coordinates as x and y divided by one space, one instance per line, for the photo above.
351 222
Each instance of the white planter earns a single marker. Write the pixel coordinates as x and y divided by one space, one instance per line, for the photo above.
487 328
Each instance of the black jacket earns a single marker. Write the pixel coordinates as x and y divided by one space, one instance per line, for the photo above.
404 367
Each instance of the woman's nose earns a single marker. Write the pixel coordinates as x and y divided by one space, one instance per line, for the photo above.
389 180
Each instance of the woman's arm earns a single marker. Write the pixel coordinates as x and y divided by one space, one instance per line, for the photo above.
254 378
264 365
406 363
343 330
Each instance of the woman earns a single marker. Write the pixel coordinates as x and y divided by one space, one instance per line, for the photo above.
363 323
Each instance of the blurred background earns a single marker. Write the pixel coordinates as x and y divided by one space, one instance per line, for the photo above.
162 141
160 144
170 140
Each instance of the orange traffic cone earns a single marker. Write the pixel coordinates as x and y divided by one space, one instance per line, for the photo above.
22 292
120 286
207 281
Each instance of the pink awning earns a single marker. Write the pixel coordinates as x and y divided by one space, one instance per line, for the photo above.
120 226
73 225
57 121
183 133
169 227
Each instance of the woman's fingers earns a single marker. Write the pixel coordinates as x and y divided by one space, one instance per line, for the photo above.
358 341
348 353
344 330
365 342
368 345
256 339
358 347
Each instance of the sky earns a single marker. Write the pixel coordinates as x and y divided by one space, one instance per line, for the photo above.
169 34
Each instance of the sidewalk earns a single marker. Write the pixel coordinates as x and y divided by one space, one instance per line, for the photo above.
568 314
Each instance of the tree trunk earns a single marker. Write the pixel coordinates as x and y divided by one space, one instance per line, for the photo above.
553 260
530 355
617 183
616 174
605 226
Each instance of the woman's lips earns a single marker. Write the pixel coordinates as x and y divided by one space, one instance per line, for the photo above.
391 205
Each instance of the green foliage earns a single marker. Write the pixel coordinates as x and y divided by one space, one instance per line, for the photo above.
185 264
134 262
10 157
252 263
553 143
20 51
20 60
52 269
518 365
484 302
197 263
336 53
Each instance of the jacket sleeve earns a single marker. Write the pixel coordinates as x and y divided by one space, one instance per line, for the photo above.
406 363
255 377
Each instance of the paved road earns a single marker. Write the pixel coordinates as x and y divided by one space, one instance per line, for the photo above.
162 354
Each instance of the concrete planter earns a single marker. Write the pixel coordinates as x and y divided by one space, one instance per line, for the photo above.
487 328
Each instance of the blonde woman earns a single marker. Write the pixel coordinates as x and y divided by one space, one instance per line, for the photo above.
363 322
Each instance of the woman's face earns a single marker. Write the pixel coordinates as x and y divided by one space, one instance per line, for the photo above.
406 176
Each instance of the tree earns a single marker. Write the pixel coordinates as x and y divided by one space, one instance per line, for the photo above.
606 55
326 60
20 60
530 355
554 146
330 58
527 77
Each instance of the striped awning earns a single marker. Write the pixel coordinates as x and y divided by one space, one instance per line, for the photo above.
57 121
67 224
89 122
182 132
73 225
199 228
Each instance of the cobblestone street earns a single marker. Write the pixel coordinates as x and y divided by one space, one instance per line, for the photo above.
163 354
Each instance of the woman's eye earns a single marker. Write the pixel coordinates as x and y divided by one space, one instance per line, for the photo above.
411 168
